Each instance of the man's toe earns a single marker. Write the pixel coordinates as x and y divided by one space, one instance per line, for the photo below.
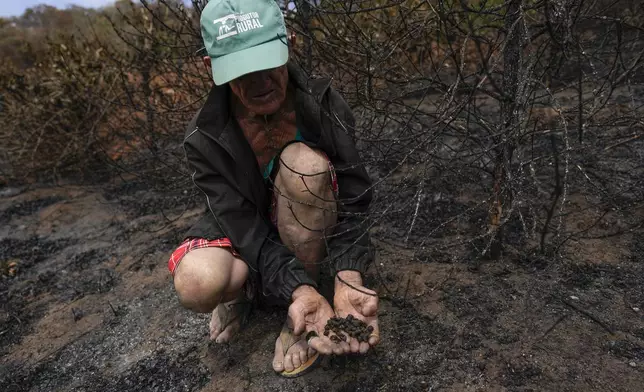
227 334
288 363
278 365
295 357
278 360
304 355
214 326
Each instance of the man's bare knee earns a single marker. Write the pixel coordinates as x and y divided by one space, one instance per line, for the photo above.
304 173
205 276
306 206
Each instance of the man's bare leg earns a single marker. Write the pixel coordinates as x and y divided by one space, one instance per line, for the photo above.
208 278
305 211
211 277
306 207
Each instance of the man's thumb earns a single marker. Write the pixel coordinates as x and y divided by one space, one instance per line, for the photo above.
297 320
370 307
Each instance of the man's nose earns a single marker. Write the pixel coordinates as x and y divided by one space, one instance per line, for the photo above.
259 78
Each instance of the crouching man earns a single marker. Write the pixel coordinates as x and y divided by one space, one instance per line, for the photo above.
285 189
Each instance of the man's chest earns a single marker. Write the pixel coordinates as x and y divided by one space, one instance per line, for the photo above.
267 138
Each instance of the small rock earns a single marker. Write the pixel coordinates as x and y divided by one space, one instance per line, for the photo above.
632 364
574 298
636 309
78 314
8 192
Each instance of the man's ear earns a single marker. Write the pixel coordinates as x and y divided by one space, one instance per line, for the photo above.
207 62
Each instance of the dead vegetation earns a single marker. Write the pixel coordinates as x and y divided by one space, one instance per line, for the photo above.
505 143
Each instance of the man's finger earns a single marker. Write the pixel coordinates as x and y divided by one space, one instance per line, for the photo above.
374 337
370 306
346 348
320 345
337 349
354 345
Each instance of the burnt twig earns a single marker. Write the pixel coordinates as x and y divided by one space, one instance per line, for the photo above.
589 315
555 196
559 320
113 310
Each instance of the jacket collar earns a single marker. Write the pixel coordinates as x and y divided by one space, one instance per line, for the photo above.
215 118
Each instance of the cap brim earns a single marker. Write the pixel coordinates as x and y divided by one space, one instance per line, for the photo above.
268 55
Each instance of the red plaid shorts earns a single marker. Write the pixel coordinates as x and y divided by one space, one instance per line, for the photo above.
197 243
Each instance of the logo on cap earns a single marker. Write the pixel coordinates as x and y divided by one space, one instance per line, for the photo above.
234 24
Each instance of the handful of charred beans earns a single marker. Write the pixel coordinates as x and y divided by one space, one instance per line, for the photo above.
341 328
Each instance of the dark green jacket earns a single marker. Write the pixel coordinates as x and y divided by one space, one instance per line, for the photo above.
225 169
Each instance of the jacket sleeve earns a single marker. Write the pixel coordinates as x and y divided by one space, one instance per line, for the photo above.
350 247
281 272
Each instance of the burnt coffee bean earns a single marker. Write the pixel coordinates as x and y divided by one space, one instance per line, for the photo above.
348 328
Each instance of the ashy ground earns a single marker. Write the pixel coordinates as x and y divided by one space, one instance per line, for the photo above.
91 308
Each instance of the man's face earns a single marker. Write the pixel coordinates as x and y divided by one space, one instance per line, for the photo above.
262 92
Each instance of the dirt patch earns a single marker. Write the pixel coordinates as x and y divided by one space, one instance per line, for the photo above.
136 198
159 371
92 308
32 250
27 208
18 295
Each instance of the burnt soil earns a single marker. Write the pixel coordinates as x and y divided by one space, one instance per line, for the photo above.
92 308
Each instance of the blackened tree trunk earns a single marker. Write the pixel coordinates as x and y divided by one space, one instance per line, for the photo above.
506 144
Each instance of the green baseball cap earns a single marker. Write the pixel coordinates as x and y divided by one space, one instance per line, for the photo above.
243 36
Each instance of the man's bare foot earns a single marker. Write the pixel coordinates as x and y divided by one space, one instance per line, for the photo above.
296 355
225 321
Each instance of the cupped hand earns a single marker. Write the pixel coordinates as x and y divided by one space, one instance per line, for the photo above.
310 312
359 301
